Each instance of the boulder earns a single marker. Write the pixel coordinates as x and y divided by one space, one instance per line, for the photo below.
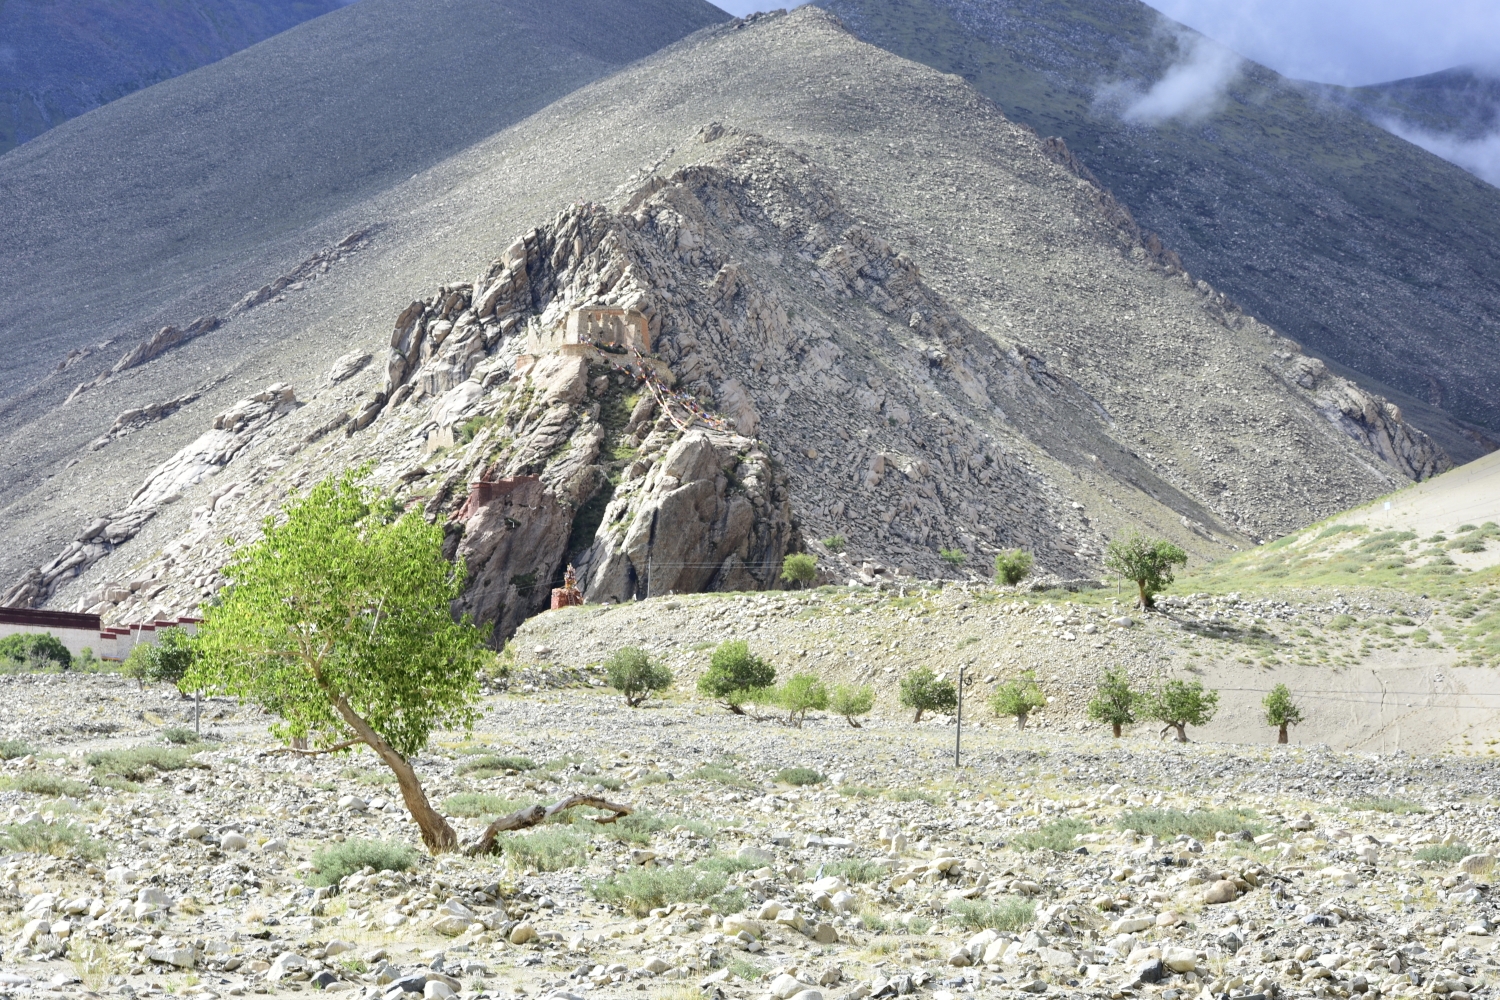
1222 891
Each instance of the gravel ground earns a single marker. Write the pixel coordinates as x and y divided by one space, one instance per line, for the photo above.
849 886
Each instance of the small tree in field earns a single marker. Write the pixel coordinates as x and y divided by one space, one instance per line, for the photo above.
1179 704
1147 561
735 675
631 672
850 701
1114 702
800 568
338 620
924 691
1012 566
35 651
801 694
1018 698
1281 711
165 661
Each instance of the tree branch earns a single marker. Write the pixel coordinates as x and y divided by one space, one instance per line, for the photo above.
532 815
313 753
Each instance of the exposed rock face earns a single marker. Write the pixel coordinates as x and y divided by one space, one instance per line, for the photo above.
1372 421
165 339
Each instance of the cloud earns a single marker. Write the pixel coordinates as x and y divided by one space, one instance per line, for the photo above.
1480 157
1191 89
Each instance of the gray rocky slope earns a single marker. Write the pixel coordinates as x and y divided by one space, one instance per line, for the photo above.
1373 253
920 327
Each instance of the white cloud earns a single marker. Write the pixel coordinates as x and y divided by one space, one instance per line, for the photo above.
1192 87
1480 157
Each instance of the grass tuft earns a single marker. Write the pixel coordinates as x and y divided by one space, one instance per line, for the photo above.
1443 853
547 849
857 870
180 735
1007 914
47 784
472 804
13 749
641 890
1057 836
799 776
1386 804
488 765
336 862
139 763
1201 824
722 776
58 839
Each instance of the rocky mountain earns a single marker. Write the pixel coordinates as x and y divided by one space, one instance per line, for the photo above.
1375 255
877 309
58 60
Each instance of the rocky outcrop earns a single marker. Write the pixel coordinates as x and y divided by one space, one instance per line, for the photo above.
165 339
231 432
1371 420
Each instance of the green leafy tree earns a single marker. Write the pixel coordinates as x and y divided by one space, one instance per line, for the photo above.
35 651
1179 704
800 568
1012 566
1281 711
953 557
632 673
1018 698
834 543
165 661
1147 561
852 702
1114 700
338 621
734 675
802 693
924 691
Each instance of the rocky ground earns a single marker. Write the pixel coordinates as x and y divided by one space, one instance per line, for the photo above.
1052 862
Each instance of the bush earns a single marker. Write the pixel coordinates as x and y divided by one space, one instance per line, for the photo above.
850 701
34 651
180 735
641 890
13 749
164 661
548 849
1443 853
1281 711
801 569
1007 914
834 543
1387 804
492 765
953 557
1199 823
734 673
1146 561
1179 704
1055 836
926 692
631 672
336 862
1018 698
857 870
473 804
38 783
1012 566
1114 701
799 776
721 775
799 695
57 839
139 763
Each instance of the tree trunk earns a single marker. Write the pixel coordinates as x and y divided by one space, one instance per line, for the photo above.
1281 734
1181 728
737 710
1145 597
919 716
532 815
1021 720
436 833
1117 730
852 721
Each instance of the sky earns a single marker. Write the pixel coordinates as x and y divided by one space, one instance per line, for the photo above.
1331 41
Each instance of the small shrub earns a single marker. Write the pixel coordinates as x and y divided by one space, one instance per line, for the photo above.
34 651
918 925
180 735
721 775
1018 698
494 765
1012 566
1199 823
800 568
165 661
1443 853
859 791
336 862
1387 804
139 763
924 691
1007 915
1056 836
37 783
799 695
743 968
58 839
631 672
473 804
799 776
953 557
857 870
548 849
850 701
912 795
834 543
733 673
641 890
13 749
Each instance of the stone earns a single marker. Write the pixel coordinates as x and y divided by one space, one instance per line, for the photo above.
274 846
1035 986
756 854
322 980
352 803
784 987
825 934
177 955
522 933
807 995
655 965
1222 891
434 990
1477 864
286 963
739 923
1180 959
233 841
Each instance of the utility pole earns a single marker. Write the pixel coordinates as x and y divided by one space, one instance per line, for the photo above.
958 733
